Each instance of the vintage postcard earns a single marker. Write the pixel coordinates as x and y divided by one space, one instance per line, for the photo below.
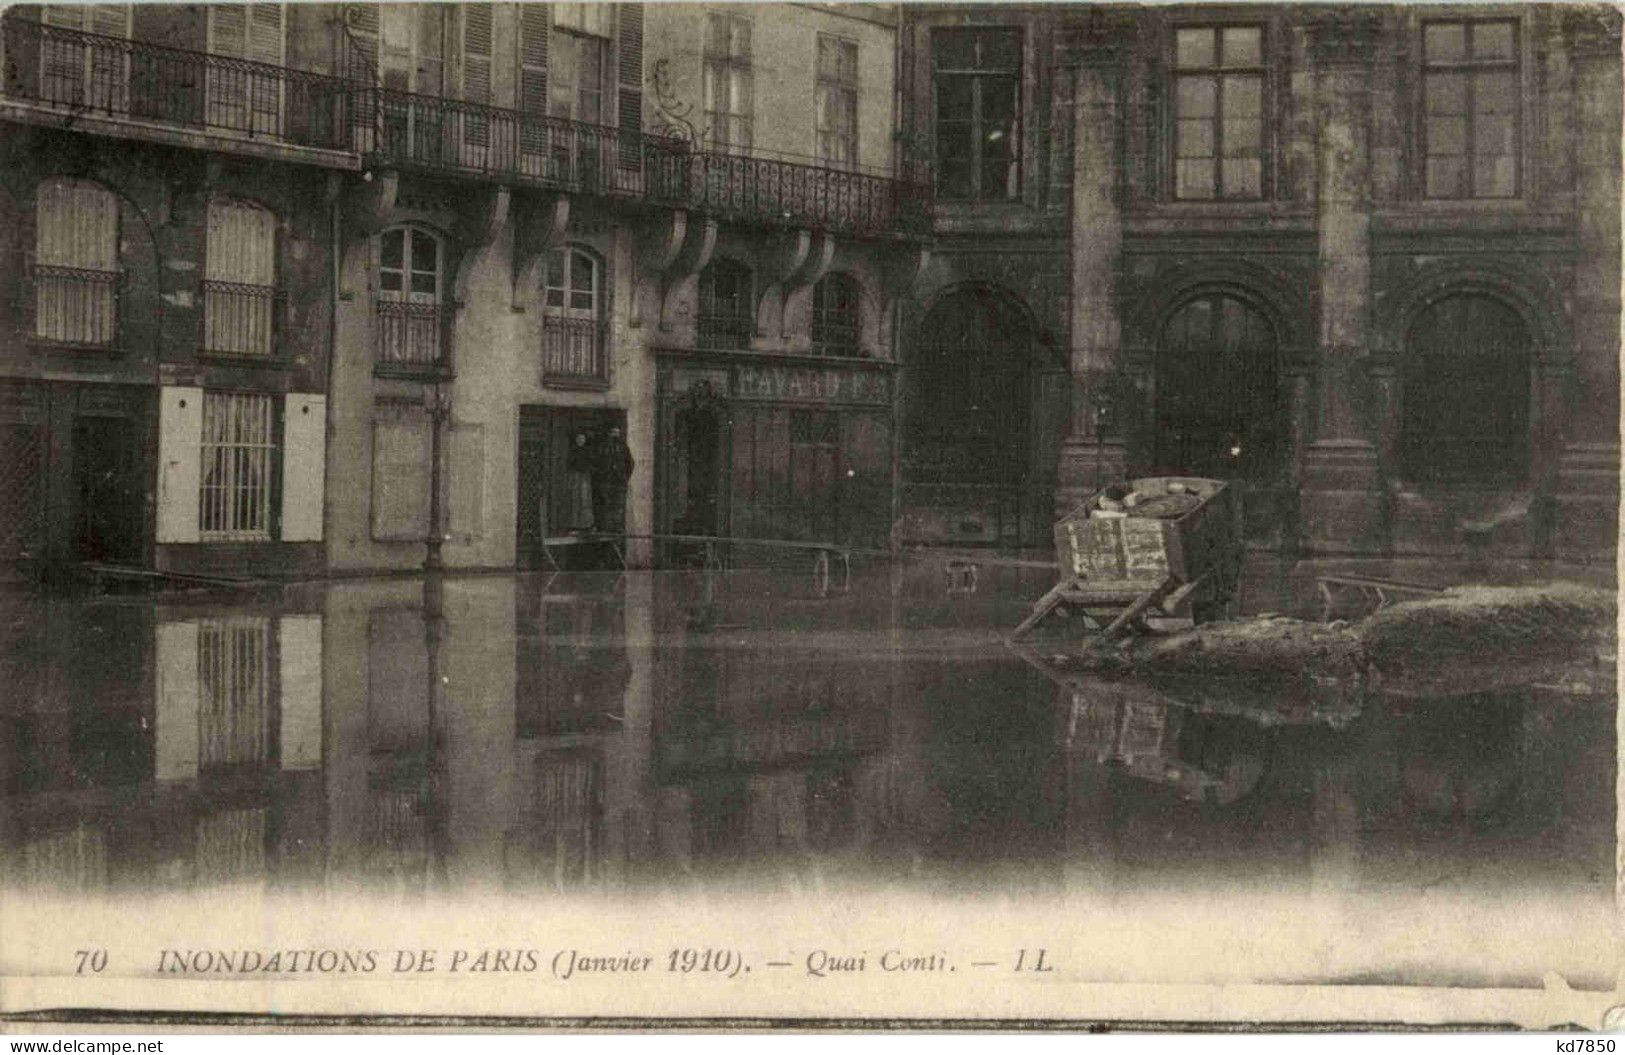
810 513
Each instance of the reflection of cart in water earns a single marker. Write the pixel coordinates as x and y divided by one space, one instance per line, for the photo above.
1159 553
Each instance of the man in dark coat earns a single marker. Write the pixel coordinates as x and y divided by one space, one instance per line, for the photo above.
611 469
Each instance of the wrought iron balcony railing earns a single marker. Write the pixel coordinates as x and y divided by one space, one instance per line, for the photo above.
80 72
76 306
240 319
573 352
411 335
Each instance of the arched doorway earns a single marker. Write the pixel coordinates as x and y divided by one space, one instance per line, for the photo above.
983 421
1219 410
1466 392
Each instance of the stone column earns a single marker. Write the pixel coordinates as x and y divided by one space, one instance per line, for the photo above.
1092 454
1342 478
1588 448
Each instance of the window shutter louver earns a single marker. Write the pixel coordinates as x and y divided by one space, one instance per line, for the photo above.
477 53
362 20
265 33
533 31
229 30
629 110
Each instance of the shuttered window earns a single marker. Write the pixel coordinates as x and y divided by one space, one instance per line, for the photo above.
477 43
75 262
533 38
86 72
239 442
245 97
239 287
629 101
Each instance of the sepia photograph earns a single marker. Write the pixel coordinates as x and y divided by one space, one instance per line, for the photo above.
810 515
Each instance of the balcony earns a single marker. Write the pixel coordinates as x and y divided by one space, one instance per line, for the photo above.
411 338
573 354
75 306
240 319
80 74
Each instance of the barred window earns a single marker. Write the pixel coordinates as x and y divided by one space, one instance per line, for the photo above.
239 441
410 281
1219 112
572 323
75 262
726 306
239 285
837 100
1470 87
835 316
729 88
977 78
233 673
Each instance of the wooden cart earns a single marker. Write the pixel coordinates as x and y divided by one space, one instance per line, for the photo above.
1159 553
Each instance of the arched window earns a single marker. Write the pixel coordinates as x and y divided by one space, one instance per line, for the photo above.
1218 404
239 284
75 263
1466 393
836 316
726 305
572 319
411 281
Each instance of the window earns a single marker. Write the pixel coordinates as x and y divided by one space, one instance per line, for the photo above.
239 285
75 263
410 323
1219 112
478 33
835 316
238 443
728 88
577 67
85 71
726 306
837 100
242 97
1466 387
572 313
1471 95
978 92
233 674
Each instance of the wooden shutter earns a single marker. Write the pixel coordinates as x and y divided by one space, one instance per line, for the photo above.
110 20
477 33
228 30
265 37
533 30
76 226
362 21
629 105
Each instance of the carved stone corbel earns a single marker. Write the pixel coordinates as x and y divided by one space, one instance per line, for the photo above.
699 242
659 243
900 274
783 263
815 267
479 224
540 224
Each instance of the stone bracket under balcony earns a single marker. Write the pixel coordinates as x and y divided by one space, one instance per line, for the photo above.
541 222
797 261
676 248
902 267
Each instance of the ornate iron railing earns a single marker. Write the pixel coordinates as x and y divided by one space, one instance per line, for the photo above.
76 305
764 189
411 334
80 72
573 352
240 319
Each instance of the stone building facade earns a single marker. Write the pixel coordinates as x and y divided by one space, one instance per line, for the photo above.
1364 259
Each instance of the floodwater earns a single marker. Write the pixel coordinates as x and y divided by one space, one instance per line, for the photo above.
672 735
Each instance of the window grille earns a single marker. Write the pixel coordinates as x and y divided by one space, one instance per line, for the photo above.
76 263
239 291
233 671
725 320
238 444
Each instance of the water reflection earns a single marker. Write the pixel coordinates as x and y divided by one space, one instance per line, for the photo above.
582 733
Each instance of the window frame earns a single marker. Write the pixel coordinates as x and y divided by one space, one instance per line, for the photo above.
269 489
566 318
846 319
719 331
407 303
728 66
1218 71
846 92
978 75
78 269
211 282
1469 68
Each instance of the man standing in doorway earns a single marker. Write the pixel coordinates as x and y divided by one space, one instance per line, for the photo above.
611 469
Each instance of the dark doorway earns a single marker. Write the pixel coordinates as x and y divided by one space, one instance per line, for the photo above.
699 470
555 487
107 490
1218 405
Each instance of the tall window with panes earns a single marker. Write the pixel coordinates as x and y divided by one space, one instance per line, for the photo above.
729 88
244 97
578 69
572 319
239 285
977 80
239 444
76 272
1219 134
726 317
835 320
1471 98
410 282
837 100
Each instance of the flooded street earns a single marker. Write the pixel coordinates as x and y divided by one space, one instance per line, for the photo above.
688 735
